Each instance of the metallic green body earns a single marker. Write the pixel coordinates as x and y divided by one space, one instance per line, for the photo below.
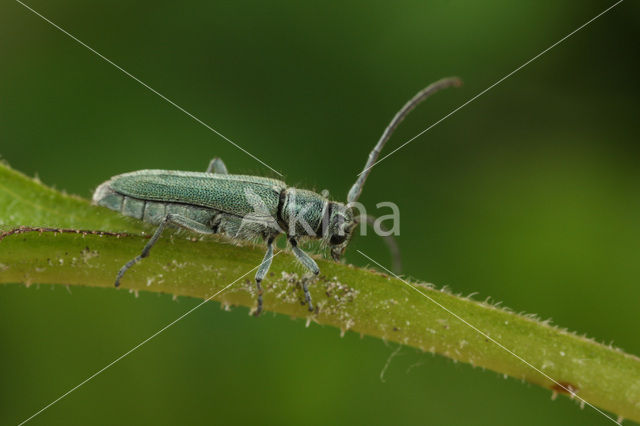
241 206
223 193
215 202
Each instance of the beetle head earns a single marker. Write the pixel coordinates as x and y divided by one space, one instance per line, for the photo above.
340 229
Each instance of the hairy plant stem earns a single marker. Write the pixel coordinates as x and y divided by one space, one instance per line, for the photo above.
65 240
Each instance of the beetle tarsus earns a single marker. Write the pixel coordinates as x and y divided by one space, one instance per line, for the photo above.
258 310
128 265
307 295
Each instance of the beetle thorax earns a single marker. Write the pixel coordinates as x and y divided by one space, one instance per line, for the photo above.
301 212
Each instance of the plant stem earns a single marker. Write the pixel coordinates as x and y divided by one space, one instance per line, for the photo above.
347 297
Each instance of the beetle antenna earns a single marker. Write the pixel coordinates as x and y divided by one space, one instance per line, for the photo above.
356 189
392 244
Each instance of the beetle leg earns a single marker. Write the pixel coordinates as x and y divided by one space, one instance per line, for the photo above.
175 219
262 272
307 295
217 166
309 263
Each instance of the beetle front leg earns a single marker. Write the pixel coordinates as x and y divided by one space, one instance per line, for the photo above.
217 166
175 219
309 263
262 272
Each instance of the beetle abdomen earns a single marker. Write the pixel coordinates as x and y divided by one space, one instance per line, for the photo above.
149 211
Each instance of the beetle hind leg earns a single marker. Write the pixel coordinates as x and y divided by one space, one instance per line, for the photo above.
145 252
175 219
217 166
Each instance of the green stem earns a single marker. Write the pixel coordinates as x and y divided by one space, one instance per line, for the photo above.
350 298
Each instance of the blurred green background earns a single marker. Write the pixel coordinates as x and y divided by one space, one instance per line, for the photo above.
528 195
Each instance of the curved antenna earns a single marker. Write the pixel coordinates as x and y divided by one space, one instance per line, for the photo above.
392 244
356 189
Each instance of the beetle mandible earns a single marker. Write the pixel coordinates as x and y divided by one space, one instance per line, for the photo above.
245 207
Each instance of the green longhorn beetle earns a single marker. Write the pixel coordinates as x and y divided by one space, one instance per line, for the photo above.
245 207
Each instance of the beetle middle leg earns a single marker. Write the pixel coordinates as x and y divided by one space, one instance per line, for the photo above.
309 263
217 166
171 218
262 272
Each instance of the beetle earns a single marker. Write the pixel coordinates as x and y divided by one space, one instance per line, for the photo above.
245 207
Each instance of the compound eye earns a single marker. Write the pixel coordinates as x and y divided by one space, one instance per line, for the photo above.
337 239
